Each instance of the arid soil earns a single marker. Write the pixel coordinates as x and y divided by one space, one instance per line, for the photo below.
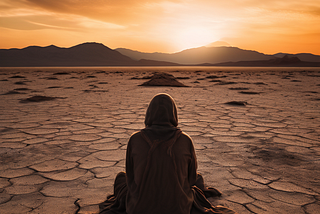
64 131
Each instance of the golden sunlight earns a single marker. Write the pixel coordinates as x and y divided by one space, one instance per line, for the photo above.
163 25
194 36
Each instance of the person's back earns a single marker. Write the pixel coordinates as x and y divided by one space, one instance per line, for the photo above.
160 178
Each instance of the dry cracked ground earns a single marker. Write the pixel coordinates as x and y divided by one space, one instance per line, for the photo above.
59 153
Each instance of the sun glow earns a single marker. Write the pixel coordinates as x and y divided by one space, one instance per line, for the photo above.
194 36
270 27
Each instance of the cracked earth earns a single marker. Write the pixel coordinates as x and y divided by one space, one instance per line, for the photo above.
61 155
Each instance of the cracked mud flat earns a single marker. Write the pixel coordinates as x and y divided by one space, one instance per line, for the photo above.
62 155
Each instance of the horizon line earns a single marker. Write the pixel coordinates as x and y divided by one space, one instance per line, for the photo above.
205 46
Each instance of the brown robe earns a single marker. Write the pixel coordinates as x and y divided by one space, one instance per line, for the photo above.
161 170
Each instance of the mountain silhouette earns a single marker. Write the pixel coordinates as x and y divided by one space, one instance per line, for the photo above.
285 61
199 55
86 54
307 57
97 54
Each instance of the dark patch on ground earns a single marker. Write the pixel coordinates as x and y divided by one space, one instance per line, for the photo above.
260 83
277 156
237 103
17 77
101 72
215 81
6 130
163 79
38 98
20 83
54 87
93 86
13 92
212 77
215 77
225 83
248 92
312 92
96 91
21 89
52 78
61 73
239 88
313 75
286 77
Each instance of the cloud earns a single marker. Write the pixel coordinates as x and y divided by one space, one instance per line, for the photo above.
90 23
161 21
69 22
23 15
18 24
116 11
142 12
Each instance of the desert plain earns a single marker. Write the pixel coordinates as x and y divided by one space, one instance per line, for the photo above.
64 131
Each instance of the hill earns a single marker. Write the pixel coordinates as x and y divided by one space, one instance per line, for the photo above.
86 54
307 57
96 54
199 55
285 61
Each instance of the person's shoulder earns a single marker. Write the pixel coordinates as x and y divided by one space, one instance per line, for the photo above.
136 135
185 141
185 136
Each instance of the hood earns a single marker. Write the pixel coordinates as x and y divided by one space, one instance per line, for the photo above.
162 111
161 119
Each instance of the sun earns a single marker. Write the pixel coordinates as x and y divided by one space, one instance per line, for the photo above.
193 36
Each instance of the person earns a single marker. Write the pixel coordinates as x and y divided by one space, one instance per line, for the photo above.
161 170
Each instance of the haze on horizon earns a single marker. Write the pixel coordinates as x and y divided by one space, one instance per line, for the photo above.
273 26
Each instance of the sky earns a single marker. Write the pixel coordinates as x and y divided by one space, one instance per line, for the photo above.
272 26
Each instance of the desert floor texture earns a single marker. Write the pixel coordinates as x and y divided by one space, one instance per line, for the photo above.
59 153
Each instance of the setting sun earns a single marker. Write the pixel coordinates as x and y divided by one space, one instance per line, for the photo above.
193 36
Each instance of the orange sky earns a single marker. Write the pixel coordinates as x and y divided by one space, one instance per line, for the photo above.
271 26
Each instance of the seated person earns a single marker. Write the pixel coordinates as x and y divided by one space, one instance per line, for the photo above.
161 170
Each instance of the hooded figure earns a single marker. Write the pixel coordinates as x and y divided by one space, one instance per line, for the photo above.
161 170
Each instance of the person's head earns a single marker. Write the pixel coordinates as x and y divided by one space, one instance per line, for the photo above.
162 111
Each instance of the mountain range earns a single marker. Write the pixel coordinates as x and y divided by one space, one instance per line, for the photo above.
97 54
87 54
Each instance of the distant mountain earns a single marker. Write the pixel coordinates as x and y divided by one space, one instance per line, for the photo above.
199 55
285 61
307 57
96 54
146 62
87 54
